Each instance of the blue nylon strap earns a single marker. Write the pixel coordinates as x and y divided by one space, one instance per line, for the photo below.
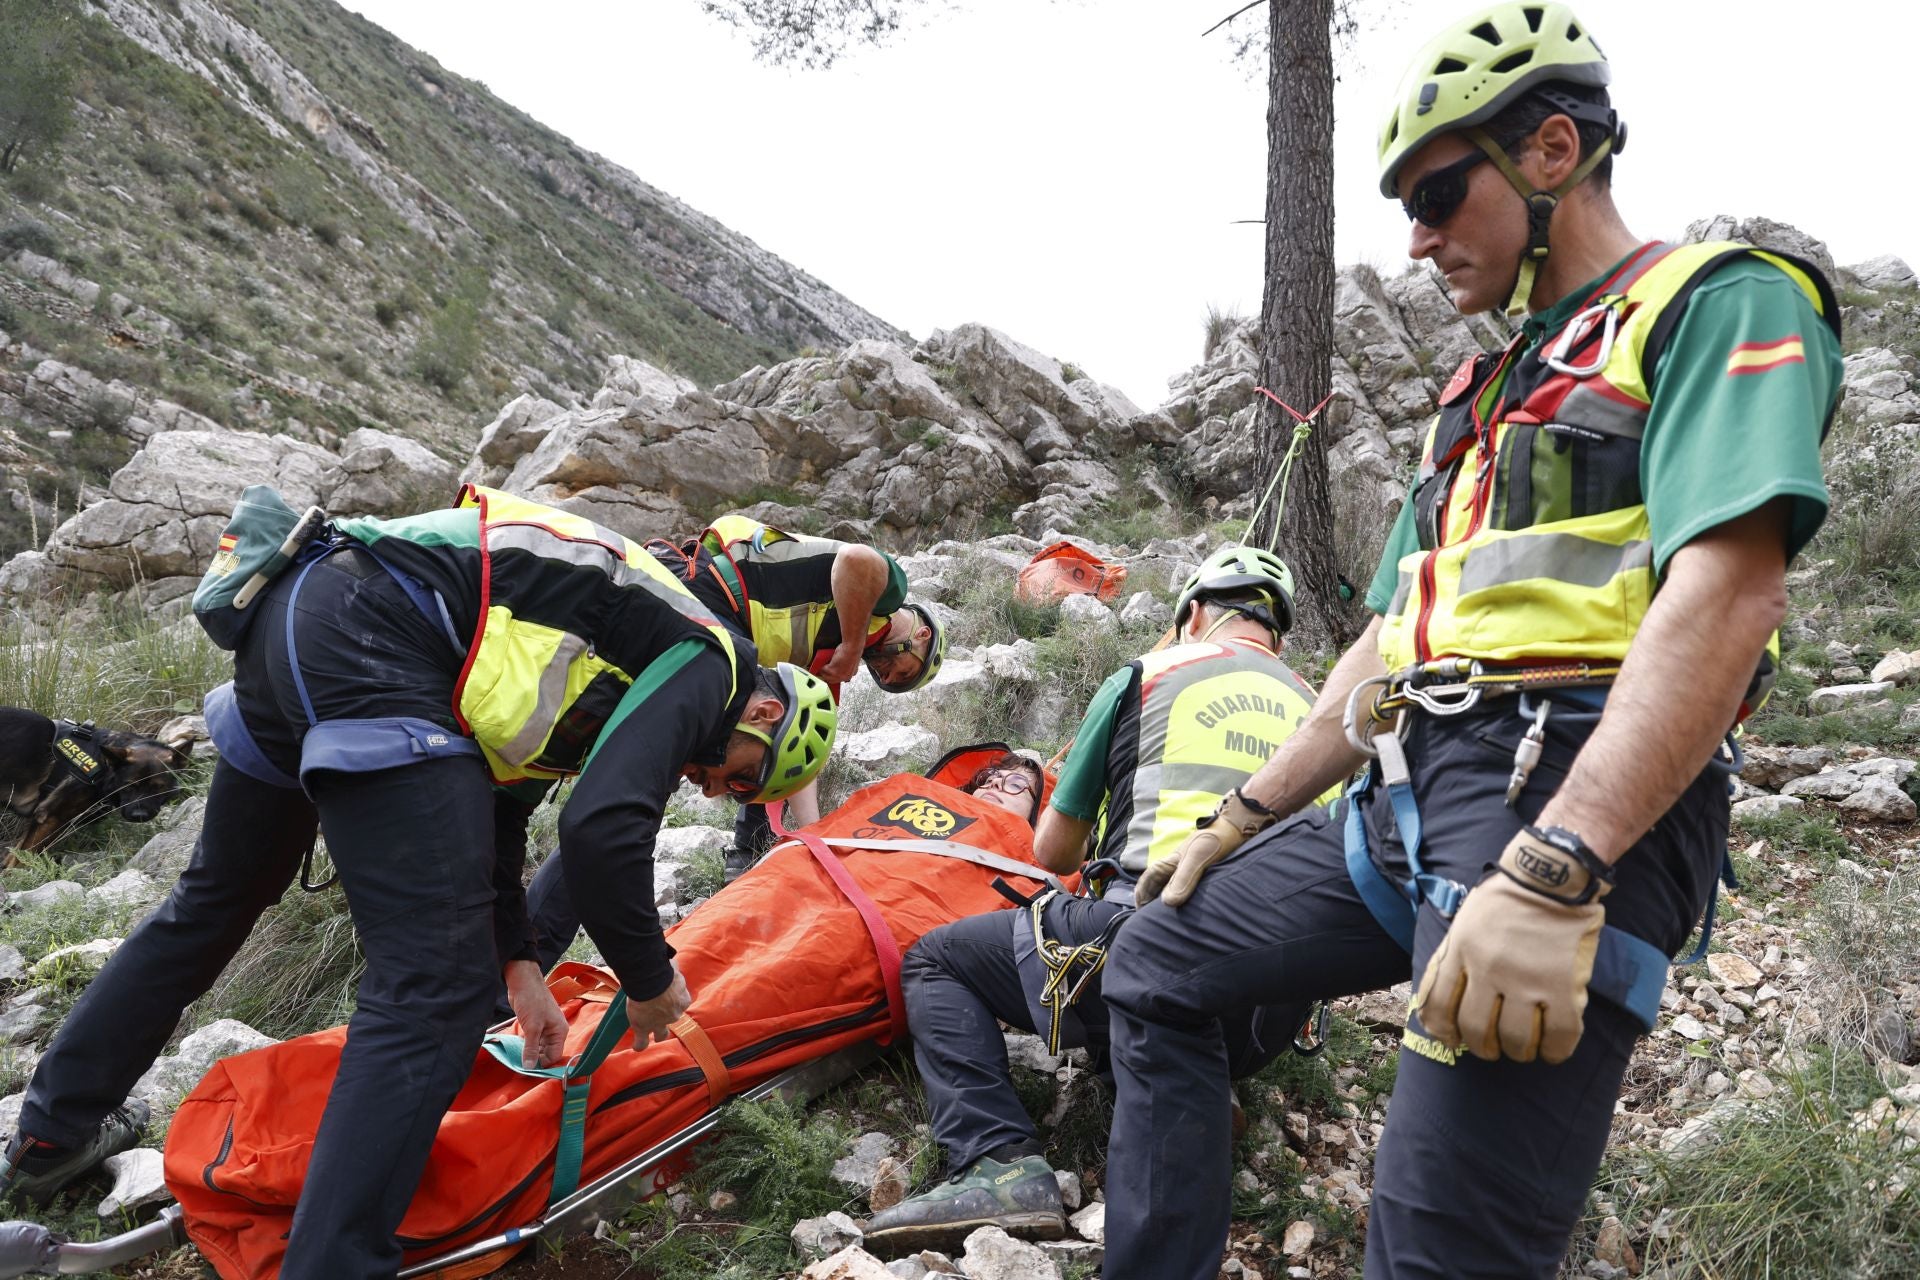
293 650
1390 910
363 746
1627 971
234 741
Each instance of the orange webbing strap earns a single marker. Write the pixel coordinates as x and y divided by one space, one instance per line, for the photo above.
706 1057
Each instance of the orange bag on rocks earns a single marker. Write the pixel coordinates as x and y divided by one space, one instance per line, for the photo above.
795 960
1063 570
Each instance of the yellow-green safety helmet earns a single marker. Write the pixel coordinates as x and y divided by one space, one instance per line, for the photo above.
930 667
1242 571
1479 66
798 746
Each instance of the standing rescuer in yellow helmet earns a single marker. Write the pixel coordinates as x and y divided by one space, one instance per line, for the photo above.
1576 603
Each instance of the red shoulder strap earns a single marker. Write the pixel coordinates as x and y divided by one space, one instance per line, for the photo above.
884 944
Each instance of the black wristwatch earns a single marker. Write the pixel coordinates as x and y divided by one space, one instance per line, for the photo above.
1574 847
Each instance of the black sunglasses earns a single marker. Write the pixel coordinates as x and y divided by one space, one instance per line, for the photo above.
1437 197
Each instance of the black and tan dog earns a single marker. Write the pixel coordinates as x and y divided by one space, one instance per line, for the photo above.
58 775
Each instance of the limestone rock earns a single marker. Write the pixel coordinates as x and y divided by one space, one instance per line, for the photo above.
166 507
170 1077
1774 767
13 966
1090 1223
138 1180
852 1263
819 1237
1878 800
1086 611
1143 609
43 895
1017 661
861 1165
630 383
891 1181
1898 668
1297 1241
518 429
383 474
1884 272
1835 697
1763 233
1767 806
131 888
1732 970
992 1254
22 1023
887 748
165 855
85 956
1071 1192
1611 1246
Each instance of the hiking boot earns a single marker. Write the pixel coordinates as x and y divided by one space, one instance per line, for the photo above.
1021 1198
36 1172
737 863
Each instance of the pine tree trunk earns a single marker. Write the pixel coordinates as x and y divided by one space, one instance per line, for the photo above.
1296 313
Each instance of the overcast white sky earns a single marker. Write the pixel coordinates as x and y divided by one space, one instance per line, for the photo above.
1070 172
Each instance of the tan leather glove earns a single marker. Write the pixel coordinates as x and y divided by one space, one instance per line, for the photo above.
1174 876
1510 978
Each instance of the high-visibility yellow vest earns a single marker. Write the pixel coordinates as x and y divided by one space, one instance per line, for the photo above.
1534 539
1210 715
783 629
570 614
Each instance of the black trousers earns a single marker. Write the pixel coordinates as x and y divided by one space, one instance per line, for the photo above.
413 846
963 979
1485 1166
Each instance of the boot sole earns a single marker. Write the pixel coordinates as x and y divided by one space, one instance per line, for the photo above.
946 1236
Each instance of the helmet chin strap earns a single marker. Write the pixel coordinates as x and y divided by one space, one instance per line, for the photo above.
1540 207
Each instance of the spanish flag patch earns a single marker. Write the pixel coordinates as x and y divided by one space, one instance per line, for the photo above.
1758 357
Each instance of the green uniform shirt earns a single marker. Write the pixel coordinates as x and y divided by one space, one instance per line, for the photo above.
1715 447
1082 785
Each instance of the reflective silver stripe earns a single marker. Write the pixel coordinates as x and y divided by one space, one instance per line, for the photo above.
1153 774
1589 408
1402 589
1214 779
548 545
1562 557
526 744
799 651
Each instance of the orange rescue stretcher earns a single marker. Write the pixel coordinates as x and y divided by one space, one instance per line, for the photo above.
794 970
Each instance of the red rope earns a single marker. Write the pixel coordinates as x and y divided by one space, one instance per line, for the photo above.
1297 415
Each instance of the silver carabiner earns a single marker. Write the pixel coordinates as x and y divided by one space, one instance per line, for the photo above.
1577 329
1447 700
1526 756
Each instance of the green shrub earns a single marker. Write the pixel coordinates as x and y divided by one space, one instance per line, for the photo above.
28 234
1220 323
1863 939
1807 1182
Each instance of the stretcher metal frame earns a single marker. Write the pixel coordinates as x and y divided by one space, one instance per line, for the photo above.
27 1249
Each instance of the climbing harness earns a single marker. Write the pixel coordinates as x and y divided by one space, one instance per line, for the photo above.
1628 971
1302 428
1069 969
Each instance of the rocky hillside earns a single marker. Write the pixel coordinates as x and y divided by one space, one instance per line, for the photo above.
1772 1121
277 217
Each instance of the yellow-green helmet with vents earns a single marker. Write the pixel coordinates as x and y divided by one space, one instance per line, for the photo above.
797 748
1478 67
